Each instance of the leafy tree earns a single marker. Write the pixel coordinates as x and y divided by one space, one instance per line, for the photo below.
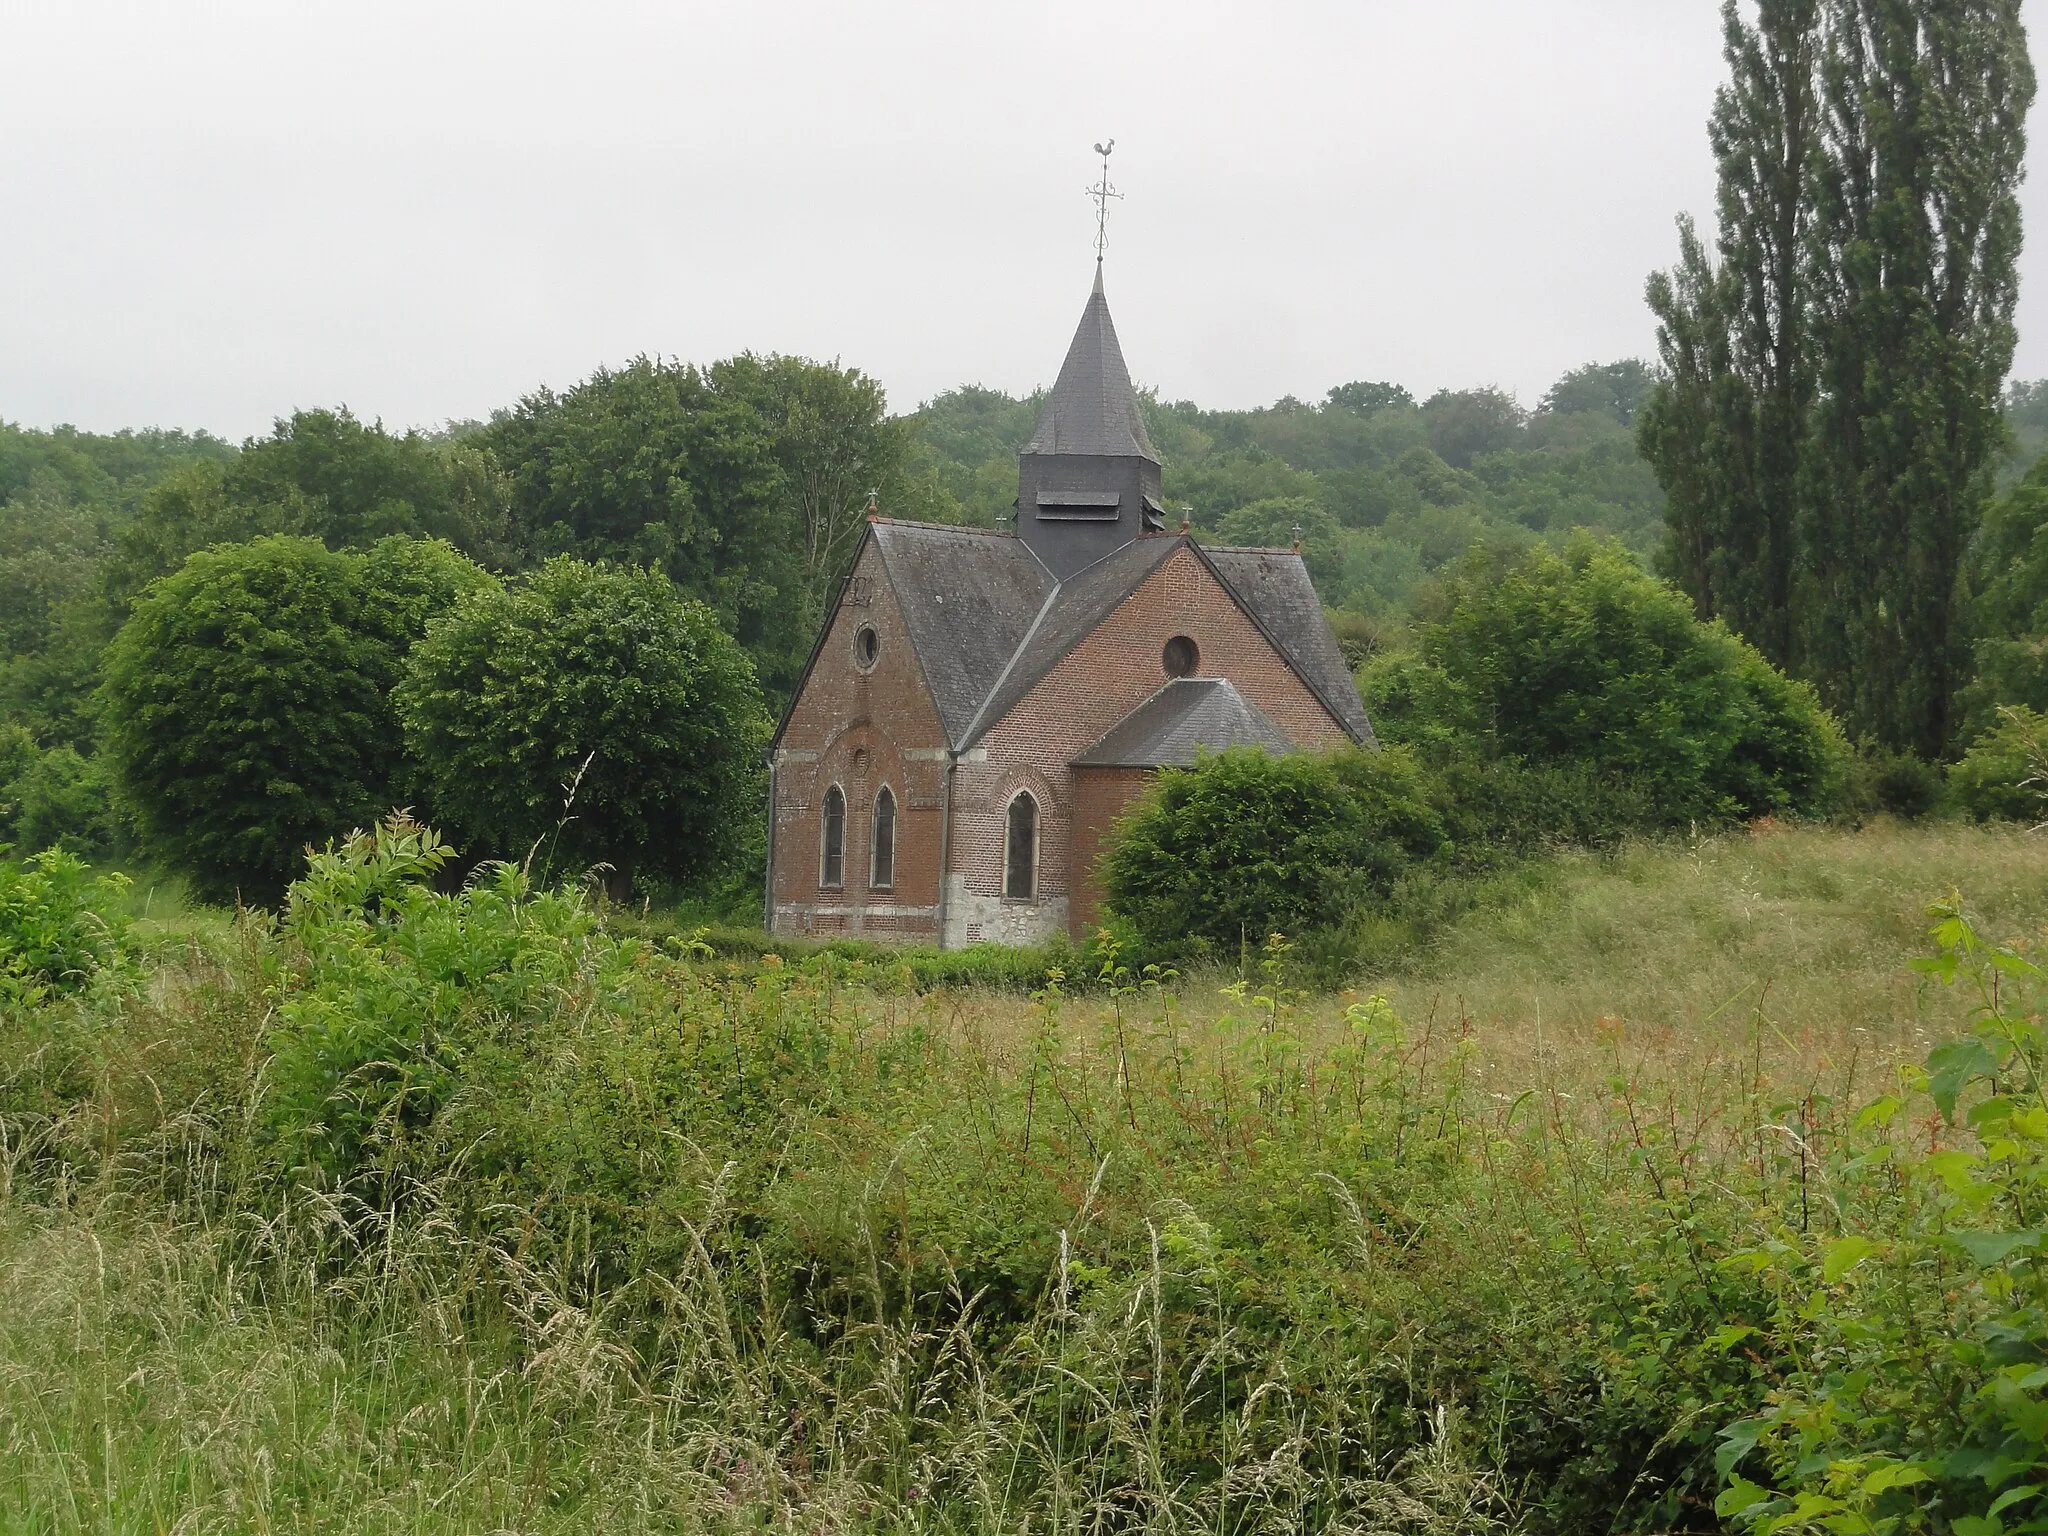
1367 398
247 701
2009 610
972 425
65 496
2004 775
61 799
1609 389
52 625
745 482
1272 524
323 475
109 471
594 708
49 551
1245 845
1229 481
837 447
650 465
1465 424
2025 409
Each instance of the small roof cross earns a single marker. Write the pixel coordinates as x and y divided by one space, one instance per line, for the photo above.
1103 193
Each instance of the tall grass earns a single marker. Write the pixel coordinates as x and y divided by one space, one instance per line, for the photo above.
683 1249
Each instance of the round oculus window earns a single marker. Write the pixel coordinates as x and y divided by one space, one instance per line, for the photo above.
867 645
1181 657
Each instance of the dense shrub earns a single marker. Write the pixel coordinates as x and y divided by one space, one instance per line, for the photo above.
1245 845
1584 659
595 681
2004 775
1882 780
247 701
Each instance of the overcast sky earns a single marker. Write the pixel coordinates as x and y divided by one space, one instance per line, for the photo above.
212 213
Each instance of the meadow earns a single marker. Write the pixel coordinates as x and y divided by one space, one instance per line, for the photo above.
643 1238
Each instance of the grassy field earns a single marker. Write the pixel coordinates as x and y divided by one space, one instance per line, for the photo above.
792 1257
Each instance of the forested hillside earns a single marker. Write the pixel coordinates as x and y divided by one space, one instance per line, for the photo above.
1385 490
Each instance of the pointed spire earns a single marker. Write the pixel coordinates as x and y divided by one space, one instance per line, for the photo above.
1093 409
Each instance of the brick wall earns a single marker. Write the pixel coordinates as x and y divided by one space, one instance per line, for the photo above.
860 729
1113 670
1101 795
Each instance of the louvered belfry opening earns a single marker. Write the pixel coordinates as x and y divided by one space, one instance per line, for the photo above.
1088 481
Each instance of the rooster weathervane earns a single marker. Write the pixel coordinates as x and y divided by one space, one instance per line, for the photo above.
1103 192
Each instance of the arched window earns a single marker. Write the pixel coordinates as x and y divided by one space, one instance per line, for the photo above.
832 864
882 871
1020 859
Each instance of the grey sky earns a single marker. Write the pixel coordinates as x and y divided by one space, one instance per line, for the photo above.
211 213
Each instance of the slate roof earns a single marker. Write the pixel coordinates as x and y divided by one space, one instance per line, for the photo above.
987 620
1080 603
1188 713
1275 589
1093 410
969 598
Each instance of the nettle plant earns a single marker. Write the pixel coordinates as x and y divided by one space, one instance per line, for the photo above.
1916 1331
60 925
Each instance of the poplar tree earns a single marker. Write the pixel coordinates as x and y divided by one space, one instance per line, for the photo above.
1725 431
1825 430
1915 254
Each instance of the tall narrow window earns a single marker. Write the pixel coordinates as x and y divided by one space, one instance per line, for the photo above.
832 865
1020 867
883 875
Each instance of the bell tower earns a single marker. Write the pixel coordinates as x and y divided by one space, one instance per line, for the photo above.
1088 481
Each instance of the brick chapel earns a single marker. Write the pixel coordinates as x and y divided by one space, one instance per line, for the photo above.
982 706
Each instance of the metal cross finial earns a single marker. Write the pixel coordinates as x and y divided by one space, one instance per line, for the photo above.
1102 193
